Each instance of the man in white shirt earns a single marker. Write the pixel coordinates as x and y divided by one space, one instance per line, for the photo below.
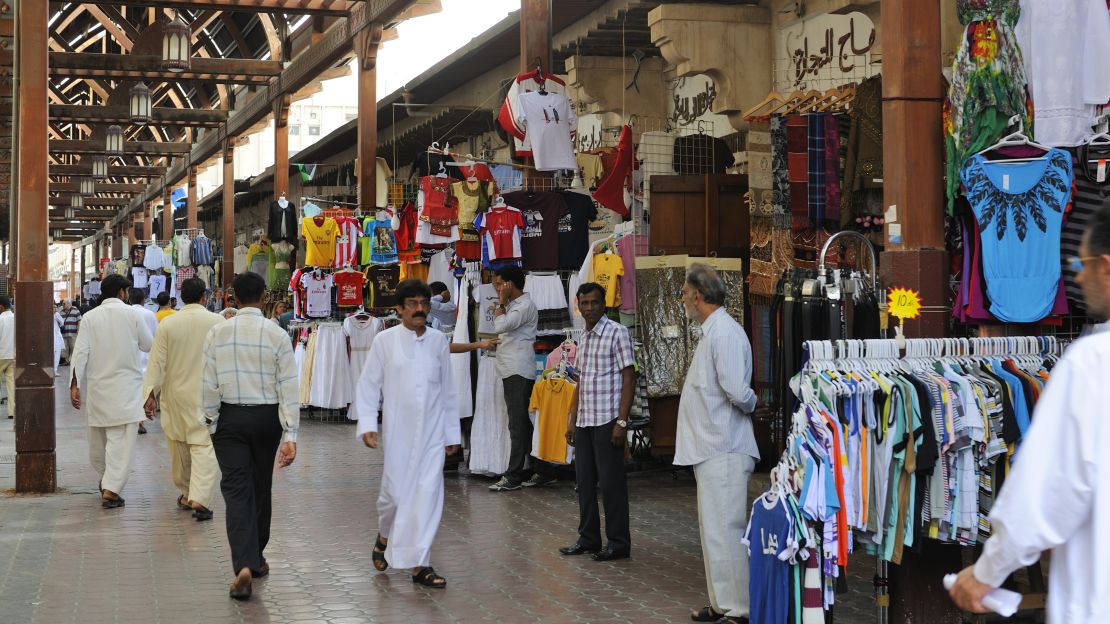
715 436
7 351
174 374
138 301
251 402
443 310
107 373
1057 494
409 366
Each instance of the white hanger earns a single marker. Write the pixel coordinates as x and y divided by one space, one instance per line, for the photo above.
1014 139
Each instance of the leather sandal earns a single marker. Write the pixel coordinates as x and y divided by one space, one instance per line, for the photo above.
182 504
428 578
706 614
378 555
111 503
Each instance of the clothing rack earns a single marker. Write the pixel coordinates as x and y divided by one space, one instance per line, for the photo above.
190 232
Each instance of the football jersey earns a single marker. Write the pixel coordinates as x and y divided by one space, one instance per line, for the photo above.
317 294
346 246
501 228
320 234
348 288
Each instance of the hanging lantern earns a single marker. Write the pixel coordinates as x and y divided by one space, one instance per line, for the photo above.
140 104
176 45
76 201
113 145
99 167
86 186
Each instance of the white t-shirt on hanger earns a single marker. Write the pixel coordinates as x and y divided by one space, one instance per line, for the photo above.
139 277
317 294
550 124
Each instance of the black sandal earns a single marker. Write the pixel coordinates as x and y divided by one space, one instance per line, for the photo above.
111 503
428 578
378 555
181 505
707 614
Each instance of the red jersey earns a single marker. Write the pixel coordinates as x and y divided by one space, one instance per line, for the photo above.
501 227
348 288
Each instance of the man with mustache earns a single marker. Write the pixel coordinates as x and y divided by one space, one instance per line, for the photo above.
409 367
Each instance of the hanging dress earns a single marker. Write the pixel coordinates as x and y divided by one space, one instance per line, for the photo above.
988 84
360 332
489 435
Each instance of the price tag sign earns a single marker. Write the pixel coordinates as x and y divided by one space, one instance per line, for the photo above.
903 303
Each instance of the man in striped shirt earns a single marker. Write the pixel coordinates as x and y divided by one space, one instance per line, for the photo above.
716 438
597 427
251 403
71 320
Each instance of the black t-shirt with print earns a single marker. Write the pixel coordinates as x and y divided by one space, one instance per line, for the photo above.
382 285
539 243
574 229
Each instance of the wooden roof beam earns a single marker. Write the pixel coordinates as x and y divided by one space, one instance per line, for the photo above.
311 7
101 187
122 115
118 171
149 67
145 148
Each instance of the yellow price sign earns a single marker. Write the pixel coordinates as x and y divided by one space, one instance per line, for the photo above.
903 303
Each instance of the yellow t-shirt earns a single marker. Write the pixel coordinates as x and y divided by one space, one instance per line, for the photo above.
161 314
319 241
607 271
551 400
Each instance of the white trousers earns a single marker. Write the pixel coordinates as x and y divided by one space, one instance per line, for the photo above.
110 452
723 518
194 469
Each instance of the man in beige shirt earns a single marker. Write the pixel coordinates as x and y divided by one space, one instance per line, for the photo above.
174 371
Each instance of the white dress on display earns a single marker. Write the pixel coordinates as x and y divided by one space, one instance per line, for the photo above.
460 362
361 333
489 435
331 370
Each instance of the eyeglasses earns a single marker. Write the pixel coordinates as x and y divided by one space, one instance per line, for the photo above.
1075 263
413 304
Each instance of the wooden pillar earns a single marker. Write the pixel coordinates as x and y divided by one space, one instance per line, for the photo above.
148 221
281 145
167 213
191 199
35 467
366 45
229 212
913 183
535 49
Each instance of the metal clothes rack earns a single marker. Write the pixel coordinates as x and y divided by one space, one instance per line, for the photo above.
190 232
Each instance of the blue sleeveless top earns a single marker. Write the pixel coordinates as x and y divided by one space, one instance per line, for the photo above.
1020 210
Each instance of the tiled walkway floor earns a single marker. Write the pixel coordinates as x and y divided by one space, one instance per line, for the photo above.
65 559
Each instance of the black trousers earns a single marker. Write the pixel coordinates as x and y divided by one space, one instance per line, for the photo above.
246 442
518 394
598 462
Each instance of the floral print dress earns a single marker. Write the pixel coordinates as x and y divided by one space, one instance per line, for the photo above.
988 84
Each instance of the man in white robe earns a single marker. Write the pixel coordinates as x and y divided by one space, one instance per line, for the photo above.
107 372
138 302
1057 495
409 366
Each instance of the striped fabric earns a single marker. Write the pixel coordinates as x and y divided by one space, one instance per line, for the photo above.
815 135
70 320
248 360
832 168
202 250
1088 197
797 162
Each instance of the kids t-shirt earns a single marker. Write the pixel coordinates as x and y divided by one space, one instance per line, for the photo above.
348 288
320 234
608 269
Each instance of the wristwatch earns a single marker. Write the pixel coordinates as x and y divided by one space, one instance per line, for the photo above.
623 424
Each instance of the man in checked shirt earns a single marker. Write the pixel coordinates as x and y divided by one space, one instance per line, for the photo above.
597 428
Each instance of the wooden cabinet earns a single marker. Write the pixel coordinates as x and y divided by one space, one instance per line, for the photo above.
704 215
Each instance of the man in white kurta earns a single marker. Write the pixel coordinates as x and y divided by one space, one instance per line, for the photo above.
174 372
1057 495
138 302
107 384
409 366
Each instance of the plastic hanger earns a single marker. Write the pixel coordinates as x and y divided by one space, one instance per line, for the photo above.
1015 139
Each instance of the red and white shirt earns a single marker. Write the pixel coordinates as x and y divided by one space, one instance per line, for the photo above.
348 285
501 227
296 288
346 246
509 117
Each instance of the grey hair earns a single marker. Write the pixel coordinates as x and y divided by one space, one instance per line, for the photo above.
705 280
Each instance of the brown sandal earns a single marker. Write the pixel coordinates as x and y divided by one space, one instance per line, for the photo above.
428 578
378 555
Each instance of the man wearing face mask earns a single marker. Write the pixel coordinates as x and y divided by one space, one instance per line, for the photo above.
409 366
715 436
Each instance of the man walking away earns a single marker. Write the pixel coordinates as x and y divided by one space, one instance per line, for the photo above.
409 366
71 322
715 436
138 299
515 321
165 308
1057 494
107 372
174 372
7 351
597 428
252 405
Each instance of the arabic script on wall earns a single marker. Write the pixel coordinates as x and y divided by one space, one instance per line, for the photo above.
824 52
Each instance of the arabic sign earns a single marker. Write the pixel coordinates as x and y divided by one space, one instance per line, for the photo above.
690 100
824 52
